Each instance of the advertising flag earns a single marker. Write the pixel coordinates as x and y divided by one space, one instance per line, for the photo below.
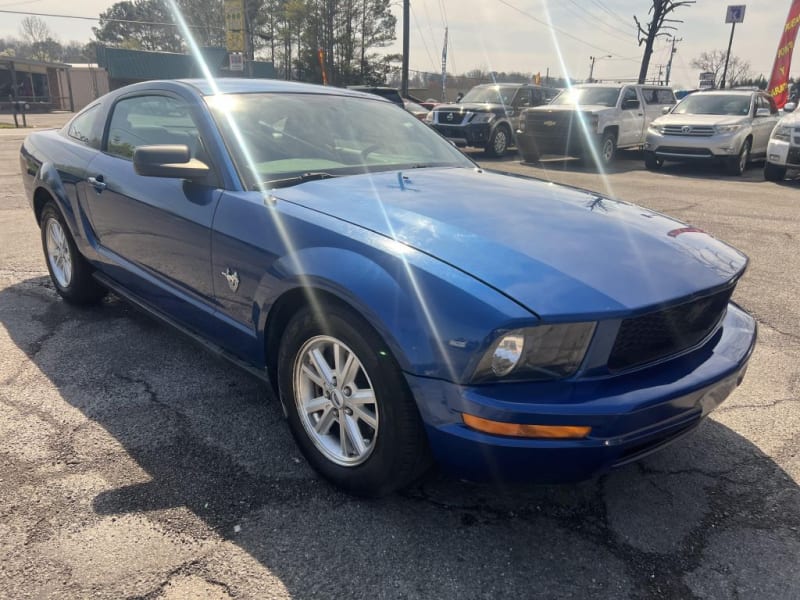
779 82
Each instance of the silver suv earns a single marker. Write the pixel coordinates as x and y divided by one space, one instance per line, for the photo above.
732 126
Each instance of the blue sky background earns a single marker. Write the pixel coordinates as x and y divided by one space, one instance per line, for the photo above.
491 35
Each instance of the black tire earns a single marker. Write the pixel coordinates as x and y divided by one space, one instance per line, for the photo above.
737 165
774 172
499 142
607 149
78 286
398 453
652 162
529 155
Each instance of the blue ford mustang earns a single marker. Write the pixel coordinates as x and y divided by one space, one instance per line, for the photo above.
407 305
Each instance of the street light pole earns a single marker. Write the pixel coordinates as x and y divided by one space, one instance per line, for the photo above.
591 66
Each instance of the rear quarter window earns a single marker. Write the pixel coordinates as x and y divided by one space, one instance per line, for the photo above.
658 96
83 128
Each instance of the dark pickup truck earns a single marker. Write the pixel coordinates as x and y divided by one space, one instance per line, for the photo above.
488 115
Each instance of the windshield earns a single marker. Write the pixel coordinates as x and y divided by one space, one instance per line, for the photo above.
492 94
598 96
714 104
285 136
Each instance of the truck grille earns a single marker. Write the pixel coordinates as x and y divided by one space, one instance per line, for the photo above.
444 117
689 130
675 150
662 333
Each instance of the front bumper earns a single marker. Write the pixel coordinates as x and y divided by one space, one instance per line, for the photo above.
472 134
784 154
680 147
573 142
631 415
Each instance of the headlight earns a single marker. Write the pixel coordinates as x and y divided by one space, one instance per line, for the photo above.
782 132
655 129
728 128
483 118
536 353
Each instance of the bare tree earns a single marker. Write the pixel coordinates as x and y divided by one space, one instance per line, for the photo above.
714 62
658 26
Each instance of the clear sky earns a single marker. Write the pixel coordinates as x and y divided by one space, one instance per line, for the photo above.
504 35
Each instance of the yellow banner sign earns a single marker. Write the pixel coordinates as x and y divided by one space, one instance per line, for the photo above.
234 25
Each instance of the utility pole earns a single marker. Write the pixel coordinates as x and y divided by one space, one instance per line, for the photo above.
671 55
444 67
404 76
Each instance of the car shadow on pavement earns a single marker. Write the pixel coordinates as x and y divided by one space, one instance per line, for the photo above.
199 448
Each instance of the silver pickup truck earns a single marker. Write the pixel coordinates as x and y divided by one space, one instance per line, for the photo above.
591 121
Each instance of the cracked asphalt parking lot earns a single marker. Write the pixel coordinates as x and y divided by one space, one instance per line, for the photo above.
134 465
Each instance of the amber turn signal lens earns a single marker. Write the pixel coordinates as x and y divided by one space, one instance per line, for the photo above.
530 431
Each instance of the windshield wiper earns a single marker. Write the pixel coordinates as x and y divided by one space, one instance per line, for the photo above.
289 181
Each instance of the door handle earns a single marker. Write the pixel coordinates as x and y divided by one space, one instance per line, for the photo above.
97 183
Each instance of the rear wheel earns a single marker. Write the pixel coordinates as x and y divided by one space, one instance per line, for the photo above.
70 272
652 162
499 141
774 172
348 405
738 164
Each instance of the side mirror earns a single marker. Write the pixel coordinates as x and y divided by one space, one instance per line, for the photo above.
789 107
666 110
168 161
630 104
763 112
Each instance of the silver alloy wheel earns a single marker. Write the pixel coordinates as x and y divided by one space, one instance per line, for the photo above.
335 401
58 254
500 141
608 150
744 158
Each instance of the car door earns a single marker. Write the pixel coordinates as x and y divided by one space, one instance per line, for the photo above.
155 231
631 120
521 101
763 125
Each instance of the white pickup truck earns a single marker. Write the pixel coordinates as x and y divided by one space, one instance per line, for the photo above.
783 152
591 121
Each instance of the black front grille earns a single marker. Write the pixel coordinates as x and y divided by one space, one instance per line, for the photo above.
705 152
450 117
660 334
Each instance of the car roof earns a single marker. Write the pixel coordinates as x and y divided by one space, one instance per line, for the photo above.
235 85
727 92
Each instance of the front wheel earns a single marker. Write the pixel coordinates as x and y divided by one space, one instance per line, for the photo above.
737 165
498 142
652 162
774 172
607 149
348 405
70 272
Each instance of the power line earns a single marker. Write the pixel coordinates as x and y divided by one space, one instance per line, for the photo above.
38 14
605 8
422 37
594 20
556 29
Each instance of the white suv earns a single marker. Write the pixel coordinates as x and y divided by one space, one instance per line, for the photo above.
784 147
733 126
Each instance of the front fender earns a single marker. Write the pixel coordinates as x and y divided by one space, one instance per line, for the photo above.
435 320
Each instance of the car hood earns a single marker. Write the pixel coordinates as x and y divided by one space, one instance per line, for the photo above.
584 108
687 119
472 107
560 252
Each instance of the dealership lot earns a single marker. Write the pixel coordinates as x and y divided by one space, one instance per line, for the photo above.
132 464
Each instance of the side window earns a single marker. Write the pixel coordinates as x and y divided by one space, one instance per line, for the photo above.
549 94
83 127
658 96
537 96
773 108
151 120
522 99
629 95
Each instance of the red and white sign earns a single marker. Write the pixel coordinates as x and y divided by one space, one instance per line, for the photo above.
779 82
